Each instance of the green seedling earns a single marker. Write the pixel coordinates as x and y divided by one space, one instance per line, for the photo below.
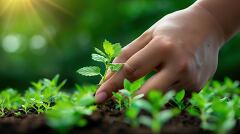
119 101
71 112
132 113
178 99
41 95
222 116
110 52
217 106
9 100
227 89
155 107
200 107
125 97
236 106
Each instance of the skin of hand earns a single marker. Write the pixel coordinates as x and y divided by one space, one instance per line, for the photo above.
182 47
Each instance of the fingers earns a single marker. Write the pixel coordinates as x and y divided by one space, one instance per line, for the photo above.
161 81
131 49
140 64
134 47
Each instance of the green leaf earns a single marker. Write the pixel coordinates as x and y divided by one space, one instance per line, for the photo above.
117 49
89 71
143 104
117 96
99 58
86 99
132 112
193 111
138 96
125 92
115 67
145 120
180 95
127 84
154 96
132 87
166 115
168 96
100 52
198 100
108 48
82 122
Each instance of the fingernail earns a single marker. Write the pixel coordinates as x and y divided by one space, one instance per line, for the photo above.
101 97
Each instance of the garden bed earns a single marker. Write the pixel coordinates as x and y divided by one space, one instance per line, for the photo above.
105 120
44 108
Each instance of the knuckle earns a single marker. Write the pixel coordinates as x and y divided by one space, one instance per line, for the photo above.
129 71
165 46
125 54
184 67
113 85
146 34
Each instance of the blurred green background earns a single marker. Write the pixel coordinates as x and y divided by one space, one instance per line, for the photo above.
42 38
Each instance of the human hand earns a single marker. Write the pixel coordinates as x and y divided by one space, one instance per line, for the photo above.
182 47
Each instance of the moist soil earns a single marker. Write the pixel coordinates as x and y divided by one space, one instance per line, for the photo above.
106 120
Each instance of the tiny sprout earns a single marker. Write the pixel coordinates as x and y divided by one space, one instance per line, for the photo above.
178 99
125 97
110 52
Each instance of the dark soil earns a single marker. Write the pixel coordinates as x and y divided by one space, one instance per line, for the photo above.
106 120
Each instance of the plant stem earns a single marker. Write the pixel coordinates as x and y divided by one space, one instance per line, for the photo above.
105 73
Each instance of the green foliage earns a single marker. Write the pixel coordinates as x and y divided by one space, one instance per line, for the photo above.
42 95
217 105
110 52
37 98
178 99
155 107
9 100
89 71
125 97
71 111
157 120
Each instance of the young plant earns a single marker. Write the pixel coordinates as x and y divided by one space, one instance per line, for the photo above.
42 95
155 107
110 52
132 113
215 107
178 99
127 96
71 111
222 118
201 106
10 100
236 106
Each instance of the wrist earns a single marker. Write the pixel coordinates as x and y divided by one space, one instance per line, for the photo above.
211 23
226 14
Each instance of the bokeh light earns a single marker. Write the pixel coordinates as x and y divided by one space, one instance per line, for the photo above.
11 43
38 42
